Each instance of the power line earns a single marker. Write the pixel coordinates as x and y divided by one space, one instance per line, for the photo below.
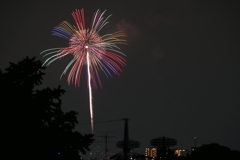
101 122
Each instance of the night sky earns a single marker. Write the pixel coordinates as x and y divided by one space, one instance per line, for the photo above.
182 74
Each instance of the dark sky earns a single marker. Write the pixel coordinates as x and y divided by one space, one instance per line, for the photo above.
182 74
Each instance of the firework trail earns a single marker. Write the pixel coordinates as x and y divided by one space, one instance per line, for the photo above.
89 49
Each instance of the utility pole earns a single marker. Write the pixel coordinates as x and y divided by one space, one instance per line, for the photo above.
106 141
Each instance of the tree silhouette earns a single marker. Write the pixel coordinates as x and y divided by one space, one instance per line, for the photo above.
215 151
32 122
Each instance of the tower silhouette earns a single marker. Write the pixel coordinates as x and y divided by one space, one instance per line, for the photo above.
126 148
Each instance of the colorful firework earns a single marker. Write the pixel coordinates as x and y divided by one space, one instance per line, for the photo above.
89 50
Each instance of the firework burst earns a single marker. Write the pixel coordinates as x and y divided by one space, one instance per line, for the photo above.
89 49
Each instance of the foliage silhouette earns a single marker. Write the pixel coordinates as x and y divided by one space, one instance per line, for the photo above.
32 122
214 151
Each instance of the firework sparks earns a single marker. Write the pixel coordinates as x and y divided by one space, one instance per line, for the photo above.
89 49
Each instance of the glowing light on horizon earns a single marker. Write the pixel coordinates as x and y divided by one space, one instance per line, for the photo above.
89 50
